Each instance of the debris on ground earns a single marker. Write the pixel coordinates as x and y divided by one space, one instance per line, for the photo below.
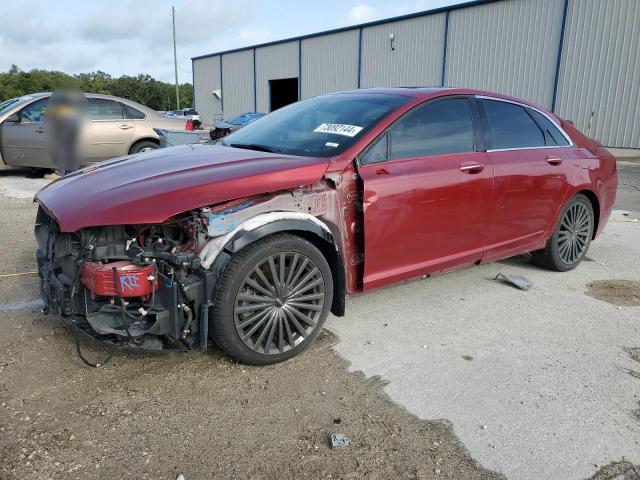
339 440
516 280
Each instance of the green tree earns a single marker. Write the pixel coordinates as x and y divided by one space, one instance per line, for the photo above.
142 88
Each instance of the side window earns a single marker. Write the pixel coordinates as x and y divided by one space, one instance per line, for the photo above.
34 112
552 135
377 152
132 113
510 126
103 109
437 128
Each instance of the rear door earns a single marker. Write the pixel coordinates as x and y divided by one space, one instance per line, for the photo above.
110 132
530 176
25 143
427 193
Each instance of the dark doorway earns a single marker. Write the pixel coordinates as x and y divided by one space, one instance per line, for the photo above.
283 92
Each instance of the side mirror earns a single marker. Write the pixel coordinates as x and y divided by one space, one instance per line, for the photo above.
14 117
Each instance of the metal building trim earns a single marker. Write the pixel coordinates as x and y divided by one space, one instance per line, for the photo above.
255 84
444 53
554 98
221 88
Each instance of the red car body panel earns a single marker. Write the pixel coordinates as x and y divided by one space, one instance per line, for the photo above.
423 214
152 187
419 216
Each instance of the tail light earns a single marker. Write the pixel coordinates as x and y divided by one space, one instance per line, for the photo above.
128 279
189 125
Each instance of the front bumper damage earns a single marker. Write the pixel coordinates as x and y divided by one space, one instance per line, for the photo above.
165 277
174 317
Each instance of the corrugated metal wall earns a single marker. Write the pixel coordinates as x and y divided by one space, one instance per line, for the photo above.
237 83
272 63
509 47
206 79
600 70
416 60
330 63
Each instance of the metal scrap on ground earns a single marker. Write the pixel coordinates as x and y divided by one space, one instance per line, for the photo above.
516 280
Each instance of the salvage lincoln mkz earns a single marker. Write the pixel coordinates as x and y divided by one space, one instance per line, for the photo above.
254 240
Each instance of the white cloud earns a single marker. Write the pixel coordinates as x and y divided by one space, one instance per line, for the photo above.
360 13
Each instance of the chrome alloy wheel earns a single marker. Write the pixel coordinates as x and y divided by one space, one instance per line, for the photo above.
279 303
575 232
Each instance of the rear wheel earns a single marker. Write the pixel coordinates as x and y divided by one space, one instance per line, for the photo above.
571 239
144 146
273 298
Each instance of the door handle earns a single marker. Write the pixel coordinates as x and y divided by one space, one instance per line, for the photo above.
474 167
125 127
382 171
40 130
554 161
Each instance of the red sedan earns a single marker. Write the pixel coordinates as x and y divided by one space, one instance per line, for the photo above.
253 241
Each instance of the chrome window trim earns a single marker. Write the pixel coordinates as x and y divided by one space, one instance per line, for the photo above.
523 105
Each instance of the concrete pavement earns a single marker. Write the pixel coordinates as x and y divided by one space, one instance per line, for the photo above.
536 383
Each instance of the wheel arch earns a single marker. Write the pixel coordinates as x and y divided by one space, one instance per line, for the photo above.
298 224
143 139
595 204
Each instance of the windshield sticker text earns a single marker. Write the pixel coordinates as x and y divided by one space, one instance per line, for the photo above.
339 129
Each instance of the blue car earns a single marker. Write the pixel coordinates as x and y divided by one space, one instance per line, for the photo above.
225 127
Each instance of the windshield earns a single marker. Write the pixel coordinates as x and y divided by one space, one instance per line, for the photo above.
318 127
9 104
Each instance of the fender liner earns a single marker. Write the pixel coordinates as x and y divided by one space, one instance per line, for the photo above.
302 224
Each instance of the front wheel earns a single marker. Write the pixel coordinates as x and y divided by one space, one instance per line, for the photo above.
571 239
273 298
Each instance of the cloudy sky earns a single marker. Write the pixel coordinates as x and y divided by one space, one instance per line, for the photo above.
134 36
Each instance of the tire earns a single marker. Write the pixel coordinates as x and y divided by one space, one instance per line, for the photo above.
571 238
143 146
258 321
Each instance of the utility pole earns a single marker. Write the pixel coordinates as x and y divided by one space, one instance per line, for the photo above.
175 57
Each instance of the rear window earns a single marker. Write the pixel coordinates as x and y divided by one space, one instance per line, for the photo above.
552 136
510 126
132 113
103 109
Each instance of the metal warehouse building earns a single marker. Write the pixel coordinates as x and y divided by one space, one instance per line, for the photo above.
579 58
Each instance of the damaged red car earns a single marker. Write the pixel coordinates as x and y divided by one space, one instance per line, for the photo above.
253 241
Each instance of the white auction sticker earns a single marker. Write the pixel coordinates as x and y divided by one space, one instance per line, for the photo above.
339 129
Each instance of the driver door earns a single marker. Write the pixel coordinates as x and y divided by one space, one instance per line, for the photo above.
25 143
427 193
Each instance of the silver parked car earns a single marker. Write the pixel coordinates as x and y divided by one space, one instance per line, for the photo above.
117 127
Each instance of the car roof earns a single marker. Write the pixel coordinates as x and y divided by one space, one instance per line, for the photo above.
425 93
126 101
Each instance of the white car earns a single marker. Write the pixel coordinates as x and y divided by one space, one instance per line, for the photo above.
187 113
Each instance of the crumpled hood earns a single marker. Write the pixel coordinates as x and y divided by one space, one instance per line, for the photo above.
153 186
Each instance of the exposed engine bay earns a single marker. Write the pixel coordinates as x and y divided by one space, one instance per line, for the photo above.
150 287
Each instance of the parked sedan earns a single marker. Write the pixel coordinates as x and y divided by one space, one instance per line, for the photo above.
117 127
224 128
253 241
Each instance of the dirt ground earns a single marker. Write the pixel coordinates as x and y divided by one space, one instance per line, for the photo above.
624 293
155 416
